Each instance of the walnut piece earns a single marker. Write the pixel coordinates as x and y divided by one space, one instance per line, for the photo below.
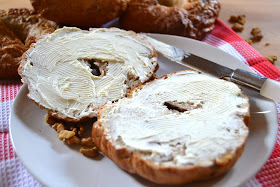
238 19
87 142
257 35
60 127
90 152
237 27
73 140
50 120
65 134
271 58
81 130
72 133
249 41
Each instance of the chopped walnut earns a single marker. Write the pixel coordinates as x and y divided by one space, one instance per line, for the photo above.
233 19
60 127
50 120
81 130
74 129
249 41
237 27
257 35
65 134
238 19
271 58
73 140
72 133
54 126
90 152
87 142
267 44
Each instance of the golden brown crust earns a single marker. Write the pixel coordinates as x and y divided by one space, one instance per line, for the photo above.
132 161
191 19
11 49
19 28
82 13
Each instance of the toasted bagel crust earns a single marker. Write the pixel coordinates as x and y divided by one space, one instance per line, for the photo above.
192 19
19 28
82 13
134 162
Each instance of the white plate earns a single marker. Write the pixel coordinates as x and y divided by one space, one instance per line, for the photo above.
54 163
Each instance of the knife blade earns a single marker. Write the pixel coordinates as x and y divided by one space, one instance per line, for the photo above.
266 87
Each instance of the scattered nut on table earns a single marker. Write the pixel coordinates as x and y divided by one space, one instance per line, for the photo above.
237 27
257 35
271 58
249 41
238 22
238 19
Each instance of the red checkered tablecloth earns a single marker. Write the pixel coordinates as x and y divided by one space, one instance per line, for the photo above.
13 173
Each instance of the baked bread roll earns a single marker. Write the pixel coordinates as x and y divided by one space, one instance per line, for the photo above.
180 128
19 28
190 18
80 13
73 72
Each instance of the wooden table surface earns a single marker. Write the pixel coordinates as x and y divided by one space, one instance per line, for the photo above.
264 14
259 13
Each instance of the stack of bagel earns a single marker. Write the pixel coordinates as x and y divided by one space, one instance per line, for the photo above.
180 128
21 27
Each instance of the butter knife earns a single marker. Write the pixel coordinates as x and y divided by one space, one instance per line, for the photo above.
265 86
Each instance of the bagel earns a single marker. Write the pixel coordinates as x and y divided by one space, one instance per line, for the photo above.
190 18
180 128
19 28
82 13
72 72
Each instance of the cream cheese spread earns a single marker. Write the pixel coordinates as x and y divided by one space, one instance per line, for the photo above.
59 74
212 125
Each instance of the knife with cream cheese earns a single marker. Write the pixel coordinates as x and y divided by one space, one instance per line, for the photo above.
266 87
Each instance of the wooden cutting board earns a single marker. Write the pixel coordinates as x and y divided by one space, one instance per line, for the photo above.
6 4
259 13
262 14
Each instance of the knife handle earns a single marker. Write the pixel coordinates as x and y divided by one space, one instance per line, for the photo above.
271 90
267 87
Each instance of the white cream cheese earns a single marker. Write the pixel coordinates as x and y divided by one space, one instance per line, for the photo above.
212 127
60 79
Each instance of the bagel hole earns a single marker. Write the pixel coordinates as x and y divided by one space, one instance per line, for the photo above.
98 68
95 69
131 81
182 106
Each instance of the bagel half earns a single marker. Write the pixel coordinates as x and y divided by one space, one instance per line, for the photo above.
72 72
180 128
19 28
190 18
